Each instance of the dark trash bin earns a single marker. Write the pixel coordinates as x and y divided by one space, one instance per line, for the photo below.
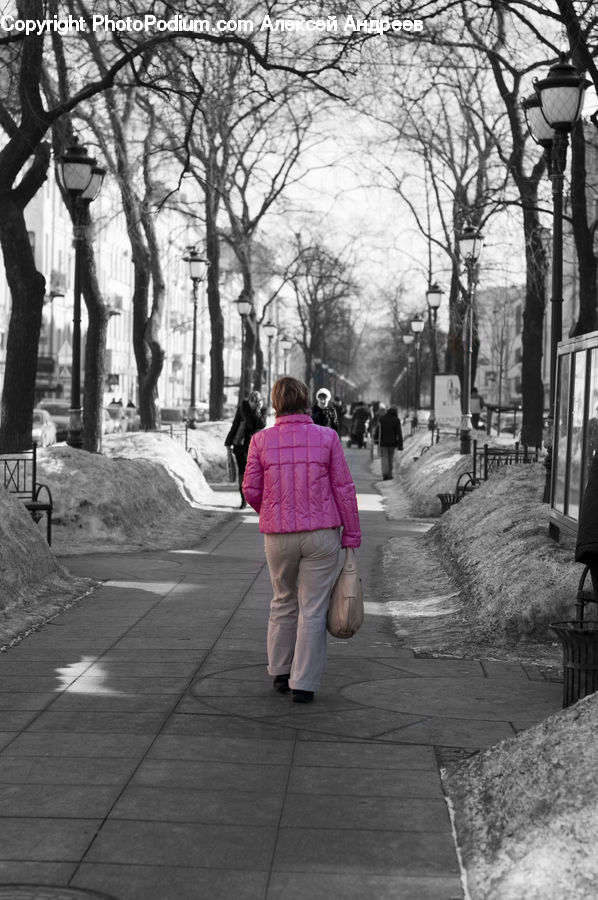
580 658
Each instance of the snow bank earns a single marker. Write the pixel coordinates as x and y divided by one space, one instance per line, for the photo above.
526 811
32 583
517 578
427 470
139 493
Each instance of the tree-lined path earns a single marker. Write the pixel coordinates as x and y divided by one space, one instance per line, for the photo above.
145 754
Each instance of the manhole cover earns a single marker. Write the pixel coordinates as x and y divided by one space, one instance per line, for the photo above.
47 892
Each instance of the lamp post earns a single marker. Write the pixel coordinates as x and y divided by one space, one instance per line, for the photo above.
269 329
244 307
434 298
550 120
408 340
286 344
470 247
82 178
197 272
417 326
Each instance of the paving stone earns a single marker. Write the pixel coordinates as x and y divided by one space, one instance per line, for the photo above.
355 886
38 873
219 806
64 770
177 844
64 801
46 839
79 745
402 813
47 892
221 749
170 883
438 731
374 852
367 782
474 698
84 720
361 755
201 774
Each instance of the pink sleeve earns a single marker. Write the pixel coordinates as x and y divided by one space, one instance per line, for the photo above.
343 490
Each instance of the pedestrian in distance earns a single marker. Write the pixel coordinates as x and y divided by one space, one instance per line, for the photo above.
476 406
389 435
249 419
359 424
298 480
341 411
323 412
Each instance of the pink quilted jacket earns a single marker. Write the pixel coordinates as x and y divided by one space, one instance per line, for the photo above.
297 479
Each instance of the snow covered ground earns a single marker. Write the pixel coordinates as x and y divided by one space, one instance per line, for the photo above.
144 491
525 808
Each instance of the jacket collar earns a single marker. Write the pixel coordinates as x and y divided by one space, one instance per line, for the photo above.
296 418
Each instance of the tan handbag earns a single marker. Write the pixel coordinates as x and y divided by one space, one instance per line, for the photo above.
345 610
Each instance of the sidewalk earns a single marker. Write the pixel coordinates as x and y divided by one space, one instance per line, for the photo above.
145 756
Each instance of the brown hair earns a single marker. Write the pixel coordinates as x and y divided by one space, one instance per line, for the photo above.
289 396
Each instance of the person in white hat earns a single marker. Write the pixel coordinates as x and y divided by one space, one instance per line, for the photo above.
323 413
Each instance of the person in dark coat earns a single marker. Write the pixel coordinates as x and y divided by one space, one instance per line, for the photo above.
389 435
323 413
359 423
248 419
586 548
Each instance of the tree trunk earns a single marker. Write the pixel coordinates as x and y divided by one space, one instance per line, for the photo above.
147 392
258 372
532 388
95 347
583 235
214 307
453 361
27 287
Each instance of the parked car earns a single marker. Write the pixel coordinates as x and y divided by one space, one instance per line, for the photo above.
43 432
59 411
119 416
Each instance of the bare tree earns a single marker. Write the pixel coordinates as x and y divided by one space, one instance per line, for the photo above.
25 155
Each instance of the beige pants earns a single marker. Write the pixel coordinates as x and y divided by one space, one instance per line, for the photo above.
303 566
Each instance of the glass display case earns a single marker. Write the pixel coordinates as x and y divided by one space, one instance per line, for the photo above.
575 429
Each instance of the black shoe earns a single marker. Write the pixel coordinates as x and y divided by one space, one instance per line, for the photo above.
281 684
303 696
243 503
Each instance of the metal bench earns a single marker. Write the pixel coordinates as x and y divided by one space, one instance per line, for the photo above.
466 482
485 460
18 475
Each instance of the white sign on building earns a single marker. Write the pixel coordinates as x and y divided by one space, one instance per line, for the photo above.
447 400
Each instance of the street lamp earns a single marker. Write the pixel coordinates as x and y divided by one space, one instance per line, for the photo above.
269 329
560 98
198 268
408 340
82 178
470 247
434 298
417 326
286 343
244 308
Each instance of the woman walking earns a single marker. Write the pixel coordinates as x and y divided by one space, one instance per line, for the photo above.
298 480
248 419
